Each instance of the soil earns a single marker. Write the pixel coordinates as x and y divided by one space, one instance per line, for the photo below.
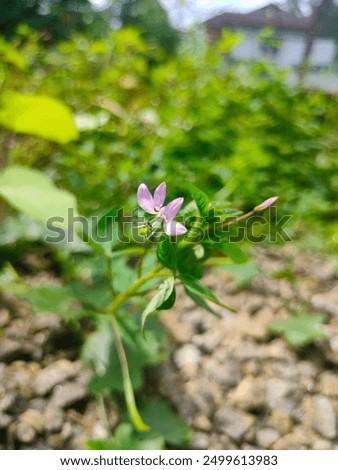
235 385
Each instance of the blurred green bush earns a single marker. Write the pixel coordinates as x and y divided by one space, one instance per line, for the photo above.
196 117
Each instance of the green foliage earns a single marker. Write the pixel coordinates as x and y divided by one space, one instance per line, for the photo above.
38 196
201 199
300 329
163 421
37 115
162 295
197 291
126 438
243 273
100 354
166 253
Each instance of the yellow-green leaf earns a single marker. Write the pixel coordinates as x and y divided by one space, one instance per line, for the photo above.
38 115
33 193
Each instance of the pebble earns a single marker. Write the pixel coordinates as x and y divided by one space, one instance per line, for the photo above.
5 420
33 418
68 394
328 384
199 441
248 394
325 420
327 302
25 433
233 422
265 437
56 373
4 317
53 419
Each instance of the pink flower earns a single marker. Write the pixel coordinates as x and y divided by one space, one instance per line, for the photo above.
154 205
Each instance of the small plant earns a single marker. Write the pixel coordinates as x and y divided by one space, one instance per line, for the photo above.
300 329
140 258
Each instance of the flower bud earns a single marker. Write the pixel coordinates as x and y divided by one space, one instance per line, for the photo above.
264 205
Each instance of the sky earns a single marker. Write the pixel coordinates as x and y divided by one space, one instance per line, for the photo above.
194 10
186 12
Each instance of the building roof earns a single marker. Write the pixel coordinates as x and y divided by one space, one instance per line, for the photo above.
270 15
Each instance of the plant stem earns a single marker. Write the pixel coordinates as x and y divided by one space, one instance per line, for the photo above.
140 261
127 384
121 298
109 275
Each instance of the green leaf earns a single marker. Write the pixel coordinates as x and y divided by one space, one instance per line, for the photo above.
170 302
233 251
38 115
166 253
162 420
33 193
299 330
100 355
194 287
201 199
12 55
125 438
243 273
188 264
201 302
58 300
163 293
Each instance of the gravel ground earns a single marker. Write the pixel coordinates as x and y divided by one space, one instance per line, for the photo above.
237 387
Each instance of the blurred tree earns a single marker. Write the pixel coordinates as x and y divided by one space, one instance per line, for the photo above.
56 19
152 19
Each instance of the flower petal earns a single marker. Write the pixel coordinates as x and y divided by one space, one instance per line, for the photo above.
171 209
145 199
159 195
174 228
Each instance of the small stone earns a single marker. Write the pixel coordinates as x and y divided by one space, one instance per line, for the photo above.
68 394
11 350
5 420
202 423
25 433
328 384
322 444
281 394
33 418
208 341
324 417
280 421
7 402
56 373
266 437
43 321
199 441
327 302
53 419
295 440
248 394
227 373
232 422
187 355
4 317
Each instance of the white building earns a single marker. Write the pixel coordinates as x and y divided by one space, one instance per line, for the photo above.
288 44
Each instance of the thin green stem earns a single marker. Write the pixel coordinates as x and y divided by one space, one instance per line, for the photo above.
140 261
127 384
109 277
133 288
